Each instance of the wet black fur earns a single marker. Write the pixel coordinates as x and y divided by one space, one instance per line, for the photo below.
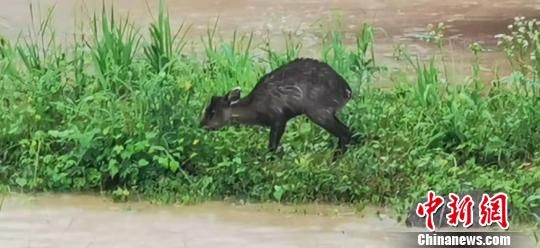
301 87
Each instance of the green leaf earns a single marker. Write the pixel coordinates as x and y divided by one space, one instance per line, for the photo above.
21 181
240 170
113 167
126 154
173 165
143 162
533 200
117 149
278 192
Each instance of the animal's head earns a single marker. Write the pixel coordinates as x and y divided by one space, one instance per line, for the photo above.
219 112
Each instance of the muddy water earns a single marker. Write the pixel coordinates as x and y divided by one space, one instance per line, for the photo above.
476 20
62 221
88 221
396 21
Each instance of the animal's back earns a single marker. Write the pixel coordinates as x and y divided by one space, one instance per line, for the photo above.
300 85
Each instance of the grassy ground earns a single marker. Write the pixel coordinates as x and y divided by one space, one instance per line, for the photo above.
119 113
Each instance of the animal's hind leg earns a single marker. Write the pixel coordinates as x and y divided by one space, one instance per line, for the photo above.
329 121
347 134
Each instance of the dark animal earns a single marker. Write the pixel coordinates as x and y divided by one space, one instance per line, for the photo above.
302 86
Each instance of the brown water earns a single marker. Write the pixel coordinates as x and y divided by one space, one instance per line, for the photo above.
472 20
88 221
59 221
397 21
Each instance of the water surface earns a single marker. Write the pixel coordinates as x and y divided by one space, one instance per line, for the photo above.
88 221
396 22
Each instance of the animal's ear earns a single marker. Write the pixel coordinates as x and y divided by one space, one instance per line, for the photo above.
233 96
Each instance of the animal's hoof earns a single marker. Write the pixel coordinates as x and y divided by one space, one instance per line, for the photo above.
273 155
338 154
357 139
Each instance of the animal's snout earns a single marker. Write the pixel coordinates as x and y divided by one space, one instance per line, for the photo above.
203 125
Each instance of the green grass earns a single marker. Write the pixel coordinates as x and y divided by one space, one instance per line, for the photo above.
119 112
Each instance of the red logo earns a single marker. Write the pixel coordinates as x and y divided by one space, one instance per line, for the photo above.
429 208
494 209
490 210
460 210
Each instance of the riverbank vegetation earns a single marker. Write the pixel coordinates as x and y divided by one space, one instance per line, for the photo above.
118 111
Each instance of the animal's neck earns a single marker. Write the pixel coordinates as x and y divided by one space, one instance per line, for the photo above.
244 113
